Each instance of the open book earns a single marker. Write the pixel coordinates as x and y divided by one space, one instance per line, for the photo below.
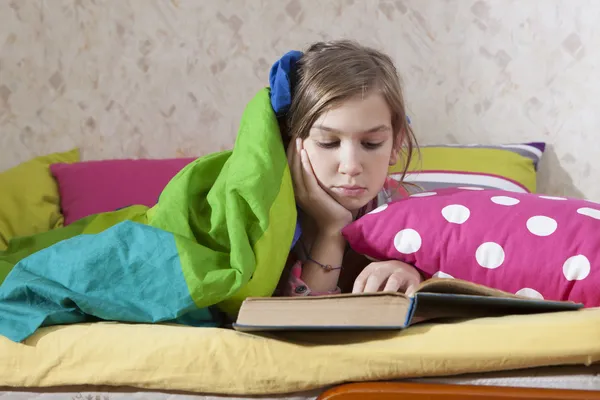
434 299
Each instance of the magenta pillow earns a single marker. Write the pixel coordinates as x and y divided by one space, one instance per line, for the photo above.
93 187
532 245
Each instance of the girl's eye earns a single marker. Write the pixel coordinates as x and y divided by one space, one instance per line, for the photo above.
366 145
371 145
328 145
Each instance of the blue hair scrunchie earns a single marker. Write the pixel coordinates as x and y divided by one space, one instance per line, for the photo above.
280 81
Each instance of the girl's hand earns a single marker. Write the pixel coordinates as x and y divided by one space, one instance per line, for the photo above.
329 215
386 276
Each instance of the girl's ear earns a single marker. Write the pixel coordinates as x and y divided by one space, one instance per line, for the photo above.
397 148
394 157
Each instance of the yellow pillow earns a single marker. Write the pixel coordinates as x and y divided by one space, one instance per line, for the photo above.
29 198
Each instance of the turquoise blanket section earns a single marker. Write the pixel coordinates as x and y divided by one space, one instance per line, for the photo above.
220 232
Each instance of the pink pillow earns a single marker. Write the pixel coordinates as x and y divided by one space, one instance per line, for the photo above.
532 245
93 187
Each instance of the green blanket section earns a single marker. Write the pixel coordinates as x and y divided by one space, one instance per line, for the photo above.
220 232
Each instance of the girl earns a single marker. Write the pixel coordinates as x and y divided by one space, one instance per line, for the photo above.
344 124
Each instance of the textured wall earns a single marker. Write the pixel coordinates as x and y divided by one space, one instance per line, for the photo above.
158 78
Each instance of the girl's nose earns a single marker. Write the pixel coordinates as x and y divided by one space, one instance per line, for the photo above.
349 162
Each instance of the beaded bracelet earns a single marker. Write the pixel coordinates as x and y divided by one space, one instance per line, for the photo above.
326 267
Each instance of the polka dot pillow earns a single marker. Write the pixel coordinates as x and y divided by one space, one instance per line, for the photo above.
531 245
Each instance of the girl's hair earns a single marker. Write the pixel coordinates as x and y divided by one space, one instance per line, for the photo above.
329 73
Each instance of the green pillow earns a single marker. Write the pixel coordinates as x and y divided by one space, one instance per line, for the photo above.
29 198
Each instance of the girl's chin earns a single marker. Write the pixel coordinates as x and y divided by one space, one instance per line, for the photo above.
353 204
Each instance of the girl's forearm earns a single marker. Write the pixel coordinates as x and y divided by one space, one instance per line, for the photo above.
326 250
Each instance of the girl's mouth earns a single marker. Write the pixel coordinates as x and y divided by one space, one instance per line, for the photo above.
350 191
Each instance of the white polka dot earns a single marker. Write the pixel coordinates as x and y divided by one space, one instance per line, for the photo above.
590 212
531 293
490 255
424 194
505 200
576 268
552 198
407 241
541 225
443 275
456 213
470 188
379 209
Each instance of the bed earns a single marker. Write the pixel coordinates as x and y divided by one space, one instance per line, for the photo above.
557 351
512 357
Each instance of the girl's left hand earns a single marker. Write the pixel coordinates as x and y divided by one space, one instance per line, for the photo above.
386 276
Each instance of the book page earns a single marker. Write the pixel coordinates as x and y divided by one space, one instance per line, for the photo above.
457 286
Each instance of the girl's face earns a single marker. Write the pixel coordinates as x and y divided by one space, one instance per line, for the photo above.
351 147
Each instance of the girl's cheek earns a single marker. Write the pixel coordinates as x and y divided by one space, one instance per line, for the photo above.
314 152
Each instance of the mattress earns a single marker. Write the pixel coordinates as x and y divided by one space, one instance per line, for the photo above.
100 393
564 377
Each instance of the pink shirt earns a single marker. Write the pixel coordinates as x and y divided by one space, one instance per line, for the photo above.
292 285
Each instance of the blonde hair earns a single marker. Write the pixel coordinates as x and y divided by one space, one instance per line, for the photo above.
329 73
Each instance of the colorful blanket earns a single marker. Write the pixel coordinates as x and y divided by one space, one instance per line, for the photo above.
220 232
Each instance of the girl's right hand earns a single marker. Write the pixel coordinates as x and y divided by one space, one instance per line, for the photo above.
329 215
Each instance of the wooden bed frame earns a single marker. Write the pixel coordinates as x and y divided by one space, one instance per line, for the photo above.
427 391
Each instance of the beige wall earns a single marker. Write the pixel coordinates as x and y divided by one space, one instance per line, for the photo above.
158 78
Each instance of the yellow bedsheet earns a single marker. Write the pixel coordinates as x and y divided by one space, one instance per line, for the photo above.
228 362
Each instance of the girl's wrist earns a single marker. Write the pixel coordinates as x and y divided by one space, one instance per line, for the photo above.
331 231
332 236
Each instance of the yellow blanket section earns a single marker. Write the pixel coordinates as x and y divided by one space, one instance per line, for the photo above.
227 362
